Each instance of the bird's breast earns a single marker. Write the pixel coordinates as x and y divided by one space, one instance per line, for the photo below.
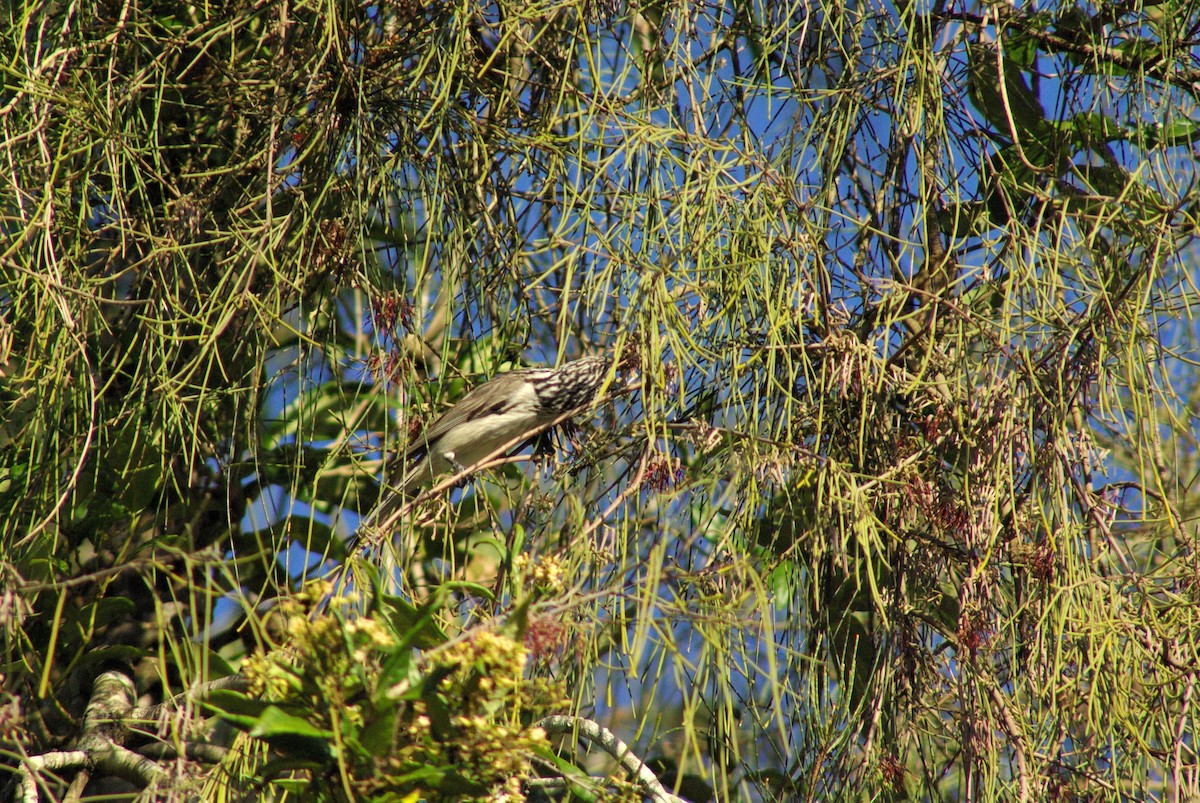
471 441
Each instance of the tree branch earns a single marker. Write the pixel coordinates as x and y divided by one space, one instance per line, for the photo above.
608 742
99 747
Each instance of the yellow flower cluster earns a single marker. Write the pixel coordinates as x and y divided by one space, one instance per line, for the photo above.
371 636
265 678
498 659
316 651
497 748
486 751
546 575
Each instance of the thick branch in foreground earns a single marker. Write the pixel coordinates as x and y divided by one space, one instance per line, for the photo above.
99 747
610 744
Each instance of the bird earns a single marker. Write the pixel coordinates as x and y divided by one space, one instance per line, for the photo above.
496 413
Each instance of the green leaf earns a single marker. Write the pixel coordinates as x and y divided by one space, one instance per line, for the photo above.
292 734
518 541
579 782
465 587
436 708
274 721
236 707
455 783
1175 134
425 776
218 667
398 668
279 772
122 653
1092 129
106 611
375 738
415 626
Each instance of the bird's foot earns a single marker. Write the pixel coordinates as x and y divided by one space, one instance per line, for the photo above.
457 468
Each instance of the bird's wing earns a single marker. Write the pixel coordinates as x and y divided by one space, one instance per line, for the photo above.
471 406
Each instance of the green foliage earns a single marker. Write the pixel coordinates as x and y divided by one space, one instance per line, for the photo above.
354 706
904 501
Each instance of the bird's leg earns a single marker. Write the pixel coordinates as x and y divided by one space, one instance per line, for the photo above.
570 431
543 445
457 467
543 450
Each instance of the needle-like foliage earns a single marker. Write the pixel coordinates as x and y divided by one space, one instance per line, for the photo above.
892 495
